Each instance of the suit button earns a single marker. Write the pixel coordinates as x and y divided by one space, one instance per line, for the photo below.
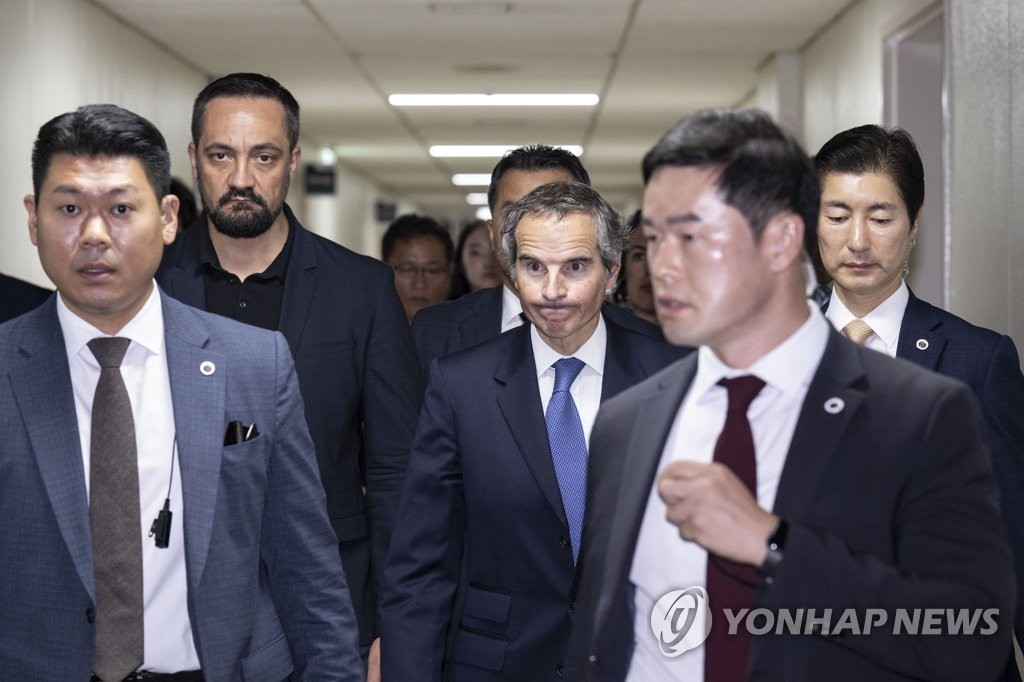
560 670
564 542
90 616
572 605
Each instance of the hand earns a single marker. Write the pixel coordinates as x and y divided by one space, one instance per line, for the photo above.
373 662
712 507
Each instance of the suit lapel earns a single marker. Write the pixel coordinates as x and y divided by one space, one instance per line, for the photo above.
301 285
199 421
920 342
833 398
41 384
519 401
643 455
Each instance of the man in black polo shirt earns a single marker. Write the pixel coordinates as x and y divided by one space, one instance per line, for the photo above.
248 257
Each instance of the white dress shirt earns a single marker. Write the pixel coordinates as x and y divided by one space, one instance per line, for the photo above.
663 562
511 310
885 320
586 390
168 632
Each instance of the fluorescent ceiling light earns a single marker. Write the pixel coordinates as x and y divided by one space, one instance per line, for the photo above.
502 100
483 213
476 198
480 179
439 151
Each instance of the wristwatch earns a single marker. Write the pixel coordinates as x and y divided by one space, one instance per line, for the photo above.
776 546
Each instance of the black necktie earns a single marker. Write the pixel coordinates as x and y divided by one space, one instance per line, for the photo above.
731 585
114 519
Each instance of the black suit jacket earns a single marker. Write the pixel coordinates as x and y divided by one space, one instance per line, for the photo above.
474 318
18 297
359 380
482 516
891 502
988 363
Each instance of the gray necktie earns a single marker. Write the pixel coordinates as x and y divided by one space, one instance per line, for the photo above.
114 519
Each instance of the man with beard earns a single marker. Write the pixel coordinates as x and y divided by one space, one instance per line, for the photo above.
249 258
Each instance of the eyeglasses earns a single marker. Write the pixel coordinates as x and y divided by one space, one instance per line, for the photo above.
409 271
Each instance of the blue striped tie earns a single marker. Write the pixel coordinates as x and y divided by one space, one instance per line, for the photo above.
568 448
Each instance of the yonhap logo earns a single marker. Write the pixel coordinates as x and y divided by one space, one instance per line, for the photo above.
681 620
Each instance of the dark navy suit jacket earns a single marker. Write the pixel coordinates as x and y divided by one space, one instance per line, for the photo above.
359 379
891 502
988 363
17 297
482 516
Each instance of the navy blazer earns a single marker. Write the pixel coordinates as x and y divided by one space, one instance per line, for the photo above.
891 502
474 318
481 517
18 297
988 363
359 379
266 594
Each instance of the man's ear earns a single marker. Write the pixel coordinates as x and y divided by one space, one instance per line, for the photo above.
30 206
169 217
782 240
613 277
192 160
294 161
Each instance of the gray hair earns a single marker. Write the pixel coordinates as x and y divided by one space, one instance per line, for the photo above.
556 200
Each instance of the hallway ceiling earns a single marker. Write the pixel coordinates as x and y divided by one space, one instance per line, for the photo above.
651 62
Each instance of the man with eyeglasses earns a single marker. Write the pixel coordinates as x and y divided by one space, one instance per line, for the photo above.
421 253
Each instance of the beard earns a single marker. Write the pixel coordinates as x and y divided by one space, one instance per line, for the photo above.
241 222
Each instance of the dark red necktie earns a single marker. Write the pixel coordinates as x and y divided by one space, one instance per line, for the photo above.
731 585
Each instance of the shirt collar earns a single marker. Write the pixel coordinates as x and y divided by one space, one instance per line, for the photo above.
511 309
591 352
145 329
789 367
885 320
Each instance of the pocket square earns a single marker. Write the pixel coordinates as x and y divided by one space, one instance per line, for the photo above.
239 433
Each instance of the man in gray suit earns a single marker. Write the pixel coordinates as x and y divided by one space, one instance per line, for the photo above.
193 433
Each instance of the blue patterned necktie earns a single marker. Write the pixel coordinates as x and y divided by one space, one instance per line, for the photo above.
568 448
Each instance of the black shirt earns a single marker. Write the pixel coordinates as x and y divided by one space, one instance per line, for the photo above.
255 301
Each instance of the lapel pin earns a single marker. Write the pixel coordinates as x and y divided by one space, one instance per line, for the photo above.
206 368
922 344
834 405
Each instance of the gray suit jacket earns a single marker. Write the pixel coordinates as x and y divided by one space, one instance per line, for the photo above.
266 591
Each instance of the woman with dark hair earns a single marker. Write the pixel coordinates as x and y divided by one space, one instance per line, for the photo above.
633 290
475 265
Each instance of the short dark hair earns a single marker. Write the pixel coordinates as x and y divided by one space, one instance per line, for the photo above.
874 149
557 200
251 85
537 157
103 130
411 225
761 170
